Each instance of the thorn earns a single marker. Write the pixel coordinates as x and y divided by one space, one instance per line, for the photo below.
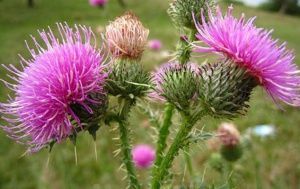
48 160
95 149
75 153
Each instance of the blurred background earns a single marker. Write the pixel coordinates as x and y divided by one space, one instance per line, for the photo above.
270 162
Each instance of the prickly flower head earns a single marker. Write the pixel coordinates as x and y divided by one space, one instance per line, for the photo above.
253 49
225 89
127 37
66 71
176 83
181 11
128 79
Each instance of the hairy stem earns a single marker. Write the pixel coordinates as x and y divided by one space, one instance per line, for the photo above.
163 134
166 163
125 144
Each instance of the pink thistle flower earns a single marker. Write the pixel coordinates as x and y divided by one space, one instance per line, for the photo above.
254 49
98 3
155 44
143 155
61 73
160 76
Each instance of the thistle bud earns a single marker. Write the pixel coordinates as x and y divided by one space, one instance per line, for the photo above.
176 83
232 153
229 136
225 89
181 11
128 79
127 37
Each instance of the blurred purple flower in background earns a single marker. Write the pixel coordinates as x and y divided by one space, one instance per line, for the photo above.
254 49
155 44
143 155
98 3
63 71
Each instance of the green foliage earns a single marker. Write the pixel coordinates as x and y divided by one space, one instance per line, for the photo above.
283 6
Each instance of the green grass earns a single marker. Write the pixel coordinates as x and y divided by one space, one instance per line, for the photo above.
279 158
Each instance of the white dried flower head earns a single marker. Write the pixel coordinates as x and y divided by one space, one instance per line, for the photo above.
228 134
127 37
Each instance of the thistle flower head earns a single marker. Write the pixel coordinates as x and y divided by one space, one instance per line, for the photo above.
127 37
64 72
143 155
228 134
128 79
181 11
155 44
98 3
253 49
176 83
225 89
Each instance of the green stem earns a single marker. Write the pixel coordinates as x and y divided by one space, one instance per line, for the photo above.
185 48
125 144
163 134
166 163
188 162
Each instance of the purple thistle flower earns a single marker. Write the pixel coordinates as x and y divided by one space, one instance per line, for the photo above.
155 44
143 155
159 77
254 49
98 3
62 72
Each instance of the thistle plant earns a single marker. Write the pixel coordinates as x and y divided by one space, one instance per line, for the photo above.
70 86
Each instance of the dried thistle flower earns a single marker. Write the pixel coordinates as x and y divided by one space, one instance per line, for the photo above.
127 37
228 134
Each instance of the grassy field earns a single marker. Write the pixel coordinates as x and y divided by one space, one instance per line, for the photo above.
275 161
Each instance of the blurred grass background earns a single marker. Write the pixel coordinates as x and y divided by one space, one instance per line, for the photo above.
275 161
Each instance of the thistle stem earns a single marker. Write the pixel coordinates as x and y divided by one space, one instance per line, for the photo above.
125 144
163 134
173 151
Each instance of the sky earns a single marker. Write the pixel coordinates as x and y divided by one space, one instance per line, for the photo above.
257 2
253 2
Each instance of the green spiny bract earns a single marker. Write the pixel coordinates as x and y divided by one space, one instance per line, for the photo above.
232 153
180 86
97 110
128 79
181 11
225 89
